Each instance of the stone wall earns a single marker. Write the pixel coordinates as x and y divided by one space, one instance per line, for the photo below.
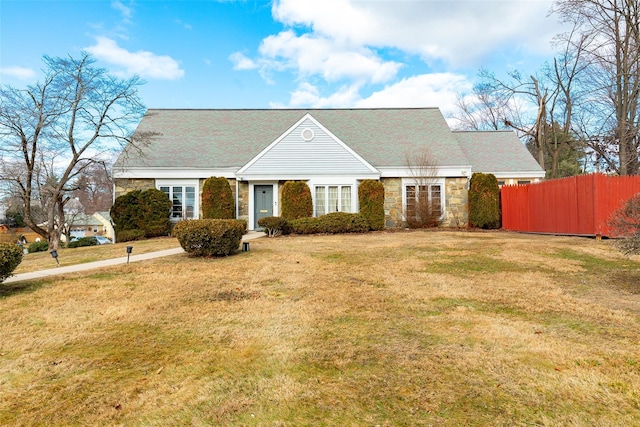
456 202
392 202
126 185
243 199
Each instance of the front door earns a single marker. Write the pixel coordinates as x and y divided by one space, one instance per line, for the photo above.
263 202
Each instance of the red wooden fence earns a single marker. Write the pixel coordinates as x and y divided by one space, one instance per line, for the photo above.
579 205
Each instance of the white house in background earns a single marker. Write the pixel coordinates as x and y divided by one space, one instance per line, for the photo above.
331 149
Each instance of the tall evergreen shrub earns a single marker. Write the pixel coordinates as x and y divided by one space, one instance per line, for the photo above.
371 201
296 200
141 214
484 201
217 199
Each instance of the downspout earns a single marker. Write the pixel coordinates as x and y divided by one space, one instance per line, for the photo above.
237 199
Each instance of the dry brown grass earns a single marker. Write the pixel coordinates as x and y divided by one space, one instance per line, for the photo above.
415 328
42 260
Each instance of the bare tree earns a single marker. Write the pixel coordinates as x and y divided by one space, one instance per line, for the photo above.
423 195
95 188
608 38
54 130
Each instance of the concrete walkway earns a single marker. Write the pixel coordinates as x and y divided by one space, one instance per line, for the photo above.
251 235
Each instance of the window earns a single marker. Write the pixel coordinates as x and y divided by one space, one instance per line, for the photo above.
183 199
524 181
423 205
332 198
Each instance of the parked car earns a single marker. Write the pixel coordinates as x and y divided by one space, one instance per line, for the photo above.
102 240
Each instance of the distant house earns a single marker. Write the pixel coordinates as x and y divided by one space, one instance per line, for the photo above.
98 224
331 149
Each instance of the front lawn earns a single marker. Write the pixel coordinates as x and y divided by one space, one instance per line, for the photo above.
406 328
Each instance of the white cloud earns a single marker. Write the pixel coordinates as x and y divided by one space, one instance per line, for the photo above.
347 44
20 73
426 90
143 63
126 11
307 95
458 32
310 55
241 62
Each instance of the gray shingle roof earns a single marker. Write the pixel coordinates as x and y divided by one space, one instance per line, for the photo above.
496 151
384 137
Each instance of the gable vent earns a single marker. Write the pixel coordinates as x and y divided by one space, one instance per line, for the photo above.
307 134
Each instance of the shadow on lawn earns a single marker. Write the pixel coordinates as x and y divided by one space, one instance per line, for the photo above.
11 289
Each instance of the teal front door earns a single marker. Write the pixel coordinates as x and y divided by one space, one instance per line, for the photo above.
263 202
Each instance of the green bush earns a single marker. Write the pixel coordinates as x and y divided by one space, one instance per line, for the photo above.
217 199
371 200
209 237
10 258
296 200
332 223
275 225
156 209
129 235
82 241
41 246
140 214
484 201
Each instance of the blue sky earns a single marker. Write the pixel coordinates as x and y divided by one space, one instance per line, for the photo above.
283 53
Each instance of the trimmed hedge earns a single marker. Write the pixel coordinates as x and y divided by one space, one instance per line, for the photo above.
217 199
41 246
82 241
484 201
296 200
371 200
10 258
209 237
275 225
332 223
140 214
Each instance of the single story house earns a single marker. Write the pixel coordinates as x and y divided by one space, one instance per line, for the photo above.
409 150
97 224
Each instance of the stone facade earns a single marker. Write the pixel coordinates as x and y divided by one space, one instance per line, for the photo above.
126 185
243 199
393 202
456 202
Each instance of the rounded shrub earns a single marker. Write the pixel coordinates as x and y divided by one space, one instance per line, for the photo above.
41 246
209 237
217 199
371 200
10 258
296 200
484 201
275 225
332 223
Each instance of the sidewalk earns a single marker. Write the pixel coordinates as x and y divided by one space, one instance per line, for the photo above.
251 235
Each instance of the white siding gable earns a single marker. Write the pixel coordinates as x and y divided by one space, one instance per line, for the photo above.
307 149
